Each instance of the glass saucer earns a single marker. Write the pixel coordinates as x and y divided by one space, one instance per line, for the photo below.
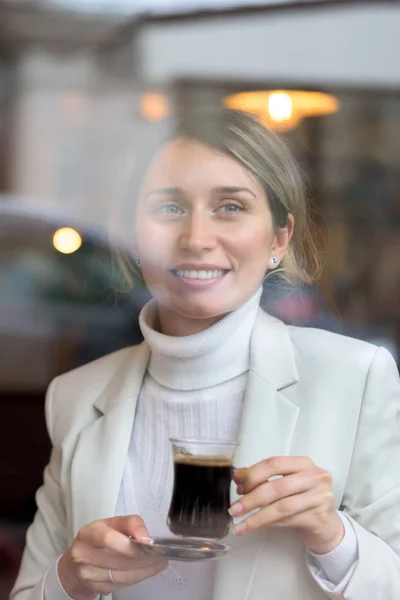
183 549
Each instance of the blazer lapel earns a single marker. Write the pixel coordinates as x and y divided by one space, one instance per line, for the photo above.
102 447
267 425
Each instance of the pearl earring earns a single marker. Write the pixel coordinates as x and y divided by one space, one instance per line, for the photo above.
274 261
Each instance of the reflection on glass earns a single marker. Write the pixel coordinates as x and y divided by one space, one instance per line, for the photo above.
67 240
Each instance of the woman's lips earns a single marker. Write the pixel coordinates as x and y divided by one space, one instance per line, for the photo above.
200 278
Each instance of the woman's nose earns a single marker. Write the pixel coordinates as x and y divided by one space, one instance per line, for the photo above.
198 233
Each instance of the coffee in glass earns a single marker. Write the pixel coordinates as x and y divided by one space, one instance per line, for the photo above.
203 471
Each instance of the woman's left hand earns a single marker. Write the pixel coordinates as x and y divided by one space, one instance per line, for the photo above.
301 496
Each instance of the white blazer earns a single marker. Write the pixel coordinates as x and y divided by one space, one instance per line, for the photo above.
309 393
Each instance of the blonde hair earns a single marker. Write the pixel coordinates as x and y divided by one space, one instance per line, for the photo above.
245 138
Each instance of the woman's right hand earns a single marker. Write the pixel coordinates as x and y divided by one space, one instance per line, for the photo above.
83 569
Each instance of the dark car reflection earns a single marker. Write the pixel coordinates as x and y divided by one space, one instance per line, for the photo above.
57 311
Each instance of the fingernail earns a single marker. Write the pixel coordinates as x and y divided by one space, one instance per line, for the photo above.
240 489
142 535
236 509
240 474
239 528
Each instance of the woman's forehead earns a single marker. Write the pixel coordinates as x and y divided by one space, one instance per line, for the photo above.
185 163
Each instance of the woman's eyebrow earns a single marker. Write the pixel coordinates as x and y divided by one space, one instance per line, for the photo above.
166 191
233 190
226 189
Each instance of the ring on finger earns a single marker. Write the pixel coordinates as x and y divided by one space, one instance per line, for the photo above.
111 576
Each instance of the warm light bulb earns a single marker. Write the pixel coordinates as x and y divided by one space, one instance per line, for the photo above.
283 110
280 107
154 106
67 240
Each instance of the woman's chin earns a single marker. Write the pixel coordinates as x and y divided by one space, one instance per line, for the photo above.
201 306
206 311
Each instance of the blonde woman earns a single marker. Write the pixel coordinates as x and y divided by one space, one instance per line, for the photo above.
317 415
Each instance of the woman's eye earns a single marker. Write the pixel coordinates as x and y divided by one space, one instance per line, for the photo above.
231 209
170 209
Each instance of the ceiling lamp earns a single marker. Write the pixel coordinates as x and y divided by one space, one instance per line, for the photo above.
283 109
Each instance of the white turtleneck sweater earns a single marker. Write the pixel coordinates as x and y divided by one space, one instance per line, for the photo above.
194 387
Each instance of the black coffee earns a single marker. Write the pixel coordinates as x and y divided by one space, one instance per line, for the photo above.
200 498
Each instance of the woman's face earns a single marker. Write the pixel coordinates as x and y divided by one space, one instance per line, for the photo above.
205 235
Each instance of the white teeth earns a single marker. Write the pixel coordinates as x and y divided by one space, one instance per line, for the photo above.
199 274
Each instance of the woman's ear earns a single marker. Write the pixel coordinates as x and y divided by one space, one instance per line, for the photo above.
282 239
135 251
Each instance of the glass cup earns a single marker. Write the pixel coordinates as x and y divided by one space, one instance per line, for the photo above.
203 471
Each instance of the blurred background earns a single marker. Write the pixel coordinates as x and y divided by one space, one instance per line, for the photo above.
79 81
